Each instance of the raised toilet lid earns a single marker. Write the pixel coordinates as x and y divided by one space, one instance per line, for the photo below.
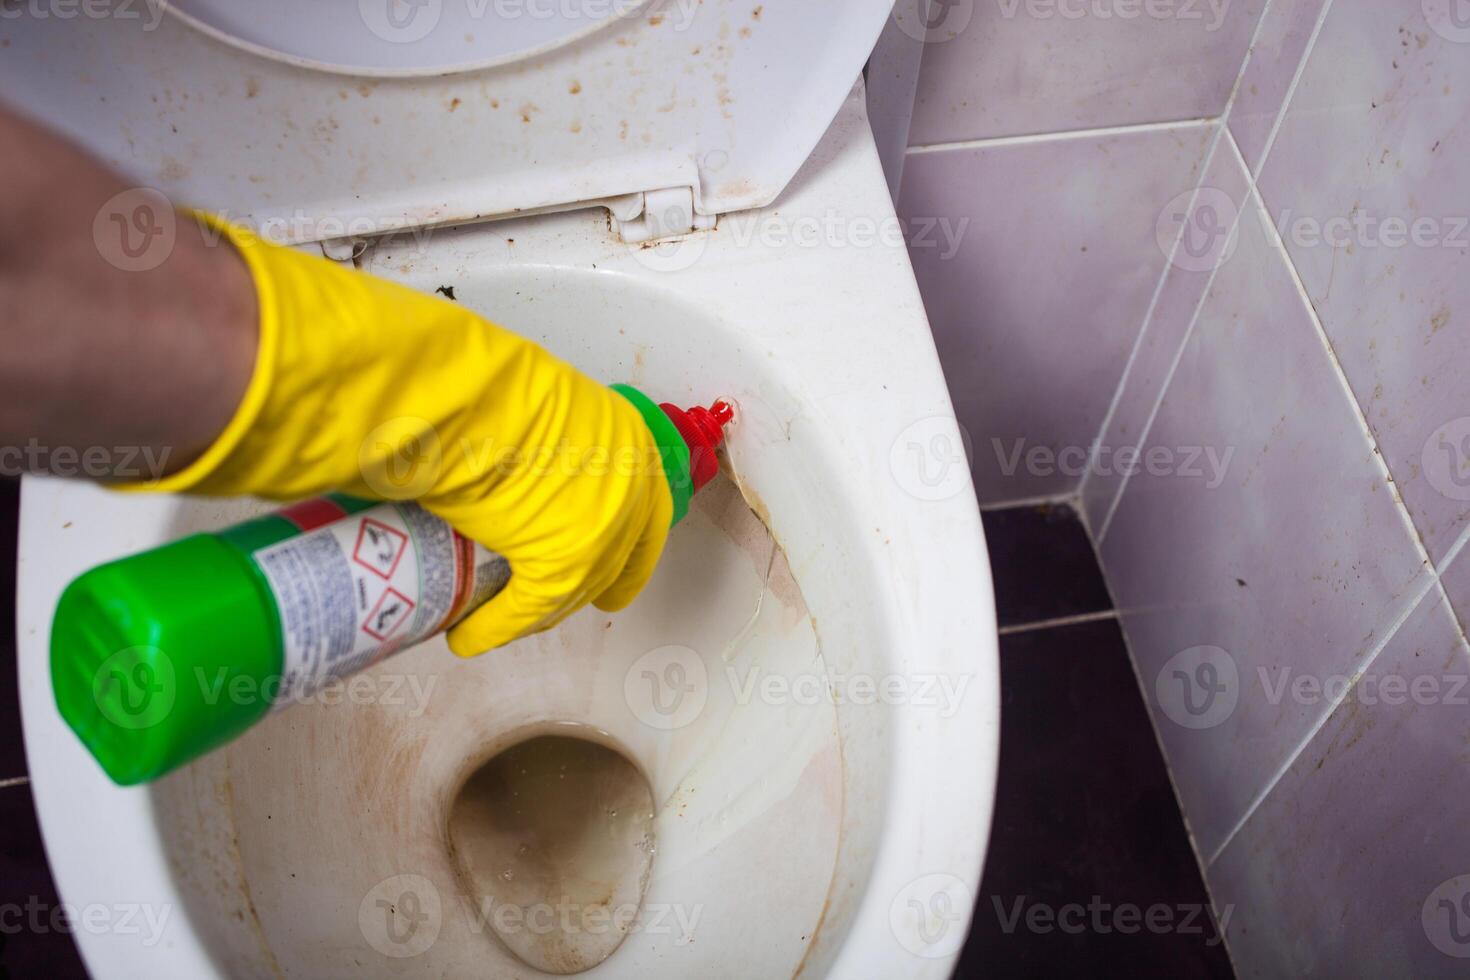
321 119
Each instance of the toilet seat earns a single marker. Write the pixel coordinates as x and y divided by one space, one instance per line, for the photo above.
407 38
711 105
821 341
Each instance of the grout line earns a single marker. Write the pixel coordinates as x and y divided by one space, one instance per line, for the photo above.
1461 544
1078 506
1069 134
1433 580
1444 597
1250 55
1253 193
1379 460
1060 621
1143 332
1055 500
15 781
1426 562
1296 80
1449 559
1257 201
1153 414
1224 121
1326 715
1098 537
1153 723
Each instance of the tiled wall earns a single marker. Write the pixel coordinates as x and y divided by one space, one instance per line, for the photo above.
1046 150
1249 334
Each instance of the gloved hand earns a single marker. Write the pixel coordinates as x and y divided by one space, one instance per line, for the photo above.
367 387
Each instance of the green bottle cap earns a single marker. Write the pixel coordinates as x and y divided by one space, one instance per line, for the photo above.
162 656
671 446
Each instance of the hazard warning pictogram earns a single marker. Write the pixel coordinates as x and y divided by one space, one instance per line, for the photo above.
390 612
379 547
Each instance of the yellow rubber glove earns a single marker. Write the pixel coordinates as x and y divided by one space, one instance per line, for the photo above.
369 388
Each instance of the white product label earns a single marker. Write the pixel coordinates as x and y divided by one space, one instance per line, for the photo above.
352 592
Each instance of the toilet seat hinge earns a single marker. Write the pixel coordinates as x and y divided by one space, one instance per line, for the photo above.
667 213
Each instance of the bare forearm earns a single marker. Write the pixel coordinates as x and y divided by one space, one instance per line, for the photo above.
120 340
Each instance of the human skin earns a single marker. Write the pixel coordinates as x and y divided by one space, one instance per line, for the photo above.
132 364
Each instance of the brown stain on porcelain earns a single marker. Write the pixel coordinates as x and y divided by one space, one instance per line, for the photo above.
558 818
385 752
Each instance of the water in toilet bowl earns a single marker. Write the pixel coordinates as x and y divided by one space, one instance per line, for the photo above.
553 838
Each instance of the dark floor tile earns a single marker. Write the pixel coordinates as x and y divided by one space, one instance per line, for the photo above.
1087 835
1043 565
12 751
35 938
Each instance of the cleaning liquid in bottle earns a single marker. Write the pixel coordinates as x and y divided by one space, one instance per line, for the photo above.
162 656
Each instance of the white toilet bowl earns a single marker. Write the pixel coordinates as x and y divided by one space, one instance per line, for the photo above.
808 686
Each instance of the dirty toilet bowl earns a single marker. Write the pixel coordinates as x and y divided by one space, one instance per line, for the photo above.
796 722
795 804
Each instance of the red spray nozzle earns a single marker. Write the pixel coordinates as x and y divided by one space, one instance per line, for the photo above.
722 411
703 430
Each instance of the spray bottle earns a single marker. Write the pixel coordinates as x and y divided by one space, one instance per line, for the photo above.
162 656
